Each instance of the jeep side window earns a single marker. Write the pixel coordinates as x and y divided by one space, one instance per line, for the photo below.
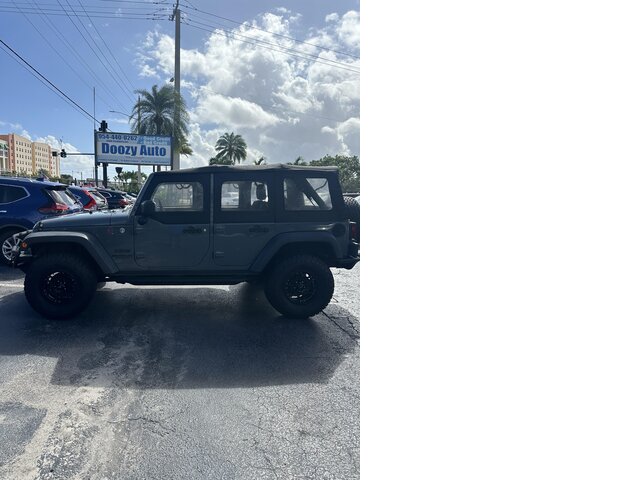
307 194
178 197
244 196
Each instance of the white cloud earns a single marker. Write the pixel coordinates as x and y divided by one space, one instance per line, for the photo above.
282 105
346 133
15 128
234 112
203 145
349 29
147 71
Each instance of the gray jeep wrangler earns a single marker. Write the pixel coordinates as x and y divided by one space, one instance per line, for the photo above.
217 225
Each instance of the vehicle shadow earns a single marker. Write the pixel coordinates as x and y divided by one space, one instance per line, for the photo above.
184 337
9 273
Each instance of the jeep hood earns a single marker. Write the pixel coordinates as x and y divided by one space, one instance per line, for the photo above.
85 219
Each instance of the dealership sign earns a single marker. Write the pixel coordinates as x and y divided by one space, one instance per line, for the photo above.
131 149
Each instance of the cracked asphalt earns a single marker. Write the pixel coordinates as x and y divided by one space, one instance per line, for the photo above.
179 382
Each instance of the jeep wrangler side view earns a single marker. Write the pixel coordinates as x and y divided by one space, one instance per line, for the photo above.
218 225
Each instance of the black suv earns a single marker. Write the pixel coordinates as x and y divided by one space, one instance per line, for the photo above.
217 225
115 199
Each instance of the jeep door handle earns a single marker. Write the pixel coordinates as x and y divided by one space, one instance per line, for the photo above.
192 230
258 229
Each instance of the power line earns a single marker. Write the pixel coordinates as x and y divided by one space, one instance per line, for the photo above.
103 7
56 10
51 45
61 36
273 49
192 7
47 80
4 9
92 49
310 55
108 49
164 2
35 76
112 71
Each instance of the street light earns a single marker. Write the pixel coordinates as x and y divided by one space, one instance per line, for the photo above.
121 113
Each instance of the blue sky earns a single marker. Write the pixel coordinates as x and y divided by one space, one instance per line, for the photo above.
282 104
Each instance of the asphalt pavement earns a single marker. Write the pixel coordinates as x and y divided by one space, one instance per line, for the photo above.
179 382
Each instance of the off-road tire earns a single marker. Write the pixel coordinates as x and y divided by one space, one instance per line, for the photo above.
290 273
352 207
4 236
43 277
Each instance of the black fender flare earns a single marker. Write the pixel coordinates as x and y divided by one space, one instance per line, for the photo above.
91 246
274 245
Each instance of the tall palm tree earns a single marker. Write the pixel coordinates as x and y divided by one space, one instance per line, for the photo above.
231 147
155 110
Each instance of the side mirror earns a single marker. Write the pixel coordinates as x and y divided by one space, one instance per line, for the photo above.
148 208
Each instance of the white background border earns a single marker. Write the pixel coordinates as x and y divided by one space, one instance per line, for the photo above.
501 252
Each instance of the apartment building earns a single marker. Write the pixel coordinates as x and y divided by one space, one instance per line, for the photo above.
42 157
26 157
4 156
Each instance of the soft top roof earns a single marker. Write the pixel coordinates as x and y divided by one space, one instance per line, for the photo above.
250 168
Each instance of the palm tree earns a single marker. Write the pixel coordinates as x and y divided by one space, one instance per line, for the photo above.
231 148
153 114
298 161
260 161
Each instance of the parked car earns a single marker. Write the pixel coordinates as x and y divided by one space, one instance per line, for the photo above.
280 232
89 197
24 201
115 199
100 200
130 197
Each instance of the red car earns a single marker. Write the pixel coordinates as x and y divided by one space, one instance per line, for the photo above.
89 197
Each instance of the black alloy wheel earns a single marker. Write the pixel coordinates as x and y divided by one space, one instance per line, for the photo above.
299 286
59 285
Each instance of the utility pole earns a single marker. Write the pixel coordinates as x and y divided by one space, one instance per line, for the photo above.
95 164
175 164
103 128
138 132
